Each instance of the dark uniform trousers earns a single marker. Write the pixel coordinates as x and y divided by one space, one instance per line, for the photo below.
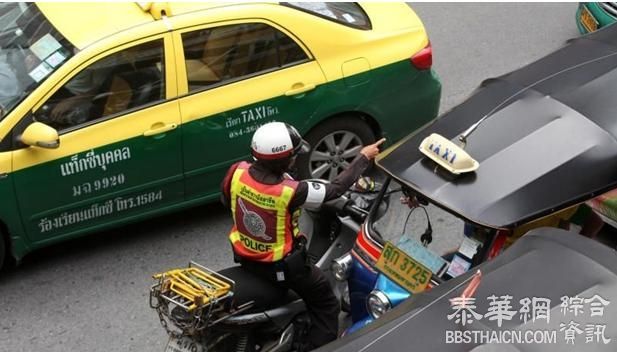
313 287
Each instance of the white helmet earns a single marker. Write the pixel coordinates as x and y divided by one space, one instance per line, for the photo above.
277 140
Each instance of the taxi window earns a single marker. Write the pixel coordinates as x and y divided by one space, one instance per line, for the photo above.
123 81
31 50
347 13
215 56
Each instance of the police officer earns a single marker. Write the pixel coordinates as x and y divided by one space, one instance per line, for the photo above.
265 203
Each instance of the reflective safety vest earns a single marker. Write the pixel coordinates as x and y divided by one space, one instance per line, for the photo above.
264 228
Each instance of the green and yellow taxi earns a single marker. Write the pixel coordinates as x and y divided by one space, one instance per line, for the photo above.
115 112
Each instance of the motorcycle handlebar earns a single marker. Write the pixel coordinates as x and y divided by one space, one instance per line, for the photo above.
356 213
345 206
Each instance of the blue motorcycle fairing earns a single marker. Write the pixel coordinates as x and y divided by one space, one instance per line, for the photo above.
361 282
395 293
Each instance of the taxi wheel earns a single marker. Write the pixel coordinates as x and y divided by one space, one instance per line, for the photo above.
334 144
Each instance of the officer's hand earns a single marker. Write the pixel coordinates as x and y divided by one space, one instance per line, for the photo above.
371 150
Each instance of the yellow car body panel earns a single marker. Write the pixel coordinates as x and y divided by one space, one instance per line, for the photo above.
84 23
403 34
390 22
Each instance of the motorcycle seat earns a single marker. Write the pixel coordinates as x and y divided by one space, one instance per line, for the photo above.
250 287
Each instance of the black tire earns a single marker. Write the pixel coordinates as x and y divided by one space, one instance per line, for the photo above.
311 165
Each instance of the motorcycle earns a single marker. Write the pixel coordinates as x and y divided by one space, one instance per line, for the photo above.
233 310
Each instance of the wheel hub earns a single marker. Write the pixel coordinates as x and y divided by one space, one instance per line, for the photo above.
333 152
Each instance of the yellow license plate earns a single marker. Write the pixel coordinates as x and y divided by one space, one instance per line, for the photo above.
402 269
587 20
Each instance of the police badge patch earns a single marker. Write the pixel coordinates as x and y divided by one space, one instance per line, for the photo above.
253 222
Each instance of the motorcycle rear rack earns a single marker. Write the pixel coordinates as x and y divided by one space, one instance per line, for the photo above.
194 287
193 299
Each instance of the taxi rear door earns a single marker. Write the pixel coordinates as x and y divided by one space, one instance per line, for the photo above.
234 76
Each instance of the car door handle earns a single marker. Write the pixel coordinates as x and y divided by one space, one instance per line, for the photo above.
159 128
299 88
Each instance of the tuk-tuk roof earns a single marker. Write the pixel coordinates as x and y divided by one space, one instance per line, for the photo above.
546 263
549 144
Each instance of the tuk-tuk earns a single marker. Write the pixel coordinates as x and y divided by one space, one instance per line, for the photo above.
525 149
552 290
